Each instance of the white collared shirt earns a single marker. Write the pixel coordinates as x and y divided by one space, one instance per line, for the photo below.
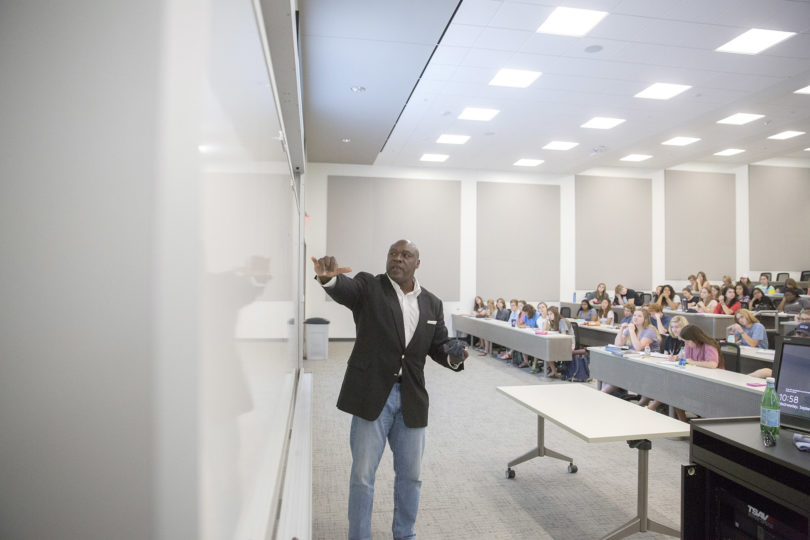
410 307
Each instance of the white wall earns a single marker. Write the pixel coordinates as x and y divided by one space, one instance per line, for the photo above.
342 324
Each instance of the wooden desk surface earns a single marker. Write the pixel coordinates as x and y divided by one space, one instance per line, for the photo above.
593 415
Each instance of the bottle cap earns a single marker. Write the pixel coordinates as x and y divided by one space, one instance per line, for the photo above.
770 380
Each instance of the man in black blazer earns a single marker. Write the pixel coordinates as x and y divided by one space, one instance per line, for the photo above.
398 324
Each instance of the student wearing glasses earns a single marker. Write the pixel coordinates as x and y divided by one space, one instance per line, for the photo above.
749 331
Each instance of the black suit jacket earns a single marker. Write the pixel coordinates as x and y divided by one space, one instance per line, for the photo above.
379 350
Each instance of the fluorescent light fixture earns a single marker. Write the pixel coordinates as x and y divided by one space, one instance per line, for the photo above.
807 149
472 113
786 135
635 157
740 118
602 122
452 139
754 41
560 145
434 157
680 141
207 148
525 162
729 152
566 21
805 90
661 90
515 78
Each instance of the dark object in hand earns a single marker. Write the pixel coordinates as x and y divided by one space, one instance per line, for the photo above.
455 348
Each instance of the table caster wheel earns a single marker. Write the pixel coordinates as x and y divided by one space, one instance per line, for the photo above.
572 468
510 473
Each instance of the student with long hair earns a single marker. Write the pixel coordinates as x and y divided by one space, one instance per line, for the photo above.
759 301
749 330
742 292
605 312
542 316
728 303
671 344
556 323
764 285
700 350
595 298
586 312
701 280
667 298
707 303
693 284
636 335
529 321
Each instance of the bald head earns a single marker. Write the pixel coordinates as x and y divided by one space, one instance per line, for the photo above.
402 262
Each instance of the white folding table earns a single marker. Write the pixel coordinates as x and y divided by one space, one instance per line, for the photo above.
598 417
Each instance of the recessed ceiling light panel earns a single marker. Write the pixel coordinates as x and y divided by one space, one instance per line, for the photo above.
740 118
526 162
754 41
662 91
560 145
434 157
729 152
452 139
514 78
473 113
602 122
680 141
565 21
635 157
786 135
805 90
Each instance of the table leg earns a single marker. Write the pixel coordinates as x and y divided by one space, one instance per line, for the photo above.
539 451
641 523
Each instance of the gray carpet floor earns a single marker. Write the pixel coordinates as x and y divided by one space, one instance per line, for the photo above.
473 432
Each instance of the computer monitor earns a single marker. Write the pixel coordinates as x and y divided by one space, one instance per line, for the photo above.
791 369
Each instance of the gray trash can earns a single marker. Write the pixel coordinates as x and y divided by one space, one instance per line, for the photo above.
316 337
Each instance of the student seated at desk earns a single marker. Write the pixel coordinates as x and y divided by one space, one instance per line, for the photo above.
671 344
623 295
501 313
707 302
790 283
557 324
759 301
745 280
728 303
595 298
586 312
659 320
727 282
693 287
792 302
749 331
688 300
514 314
629 309
542 316
636 335
701 350
701 280
802 330
667 298
764 285
605 313
741 290
529 320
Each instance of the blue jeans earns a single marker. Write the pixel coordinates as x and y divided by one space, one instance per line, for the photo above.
367 441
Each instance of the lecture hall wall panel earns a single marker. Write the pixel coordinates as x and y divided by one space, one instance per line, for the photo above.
699 223
518 247
779 220
365 215
613 232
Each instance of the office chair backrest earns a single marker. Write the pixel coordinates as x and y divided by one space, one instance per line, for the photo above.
805 275
766 274
734 349
646 298
577 344
565 311
782 276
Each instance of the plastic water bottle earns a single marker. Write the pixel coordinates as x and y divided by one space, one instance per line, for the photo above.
647 351
682 359
769 415
575 297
